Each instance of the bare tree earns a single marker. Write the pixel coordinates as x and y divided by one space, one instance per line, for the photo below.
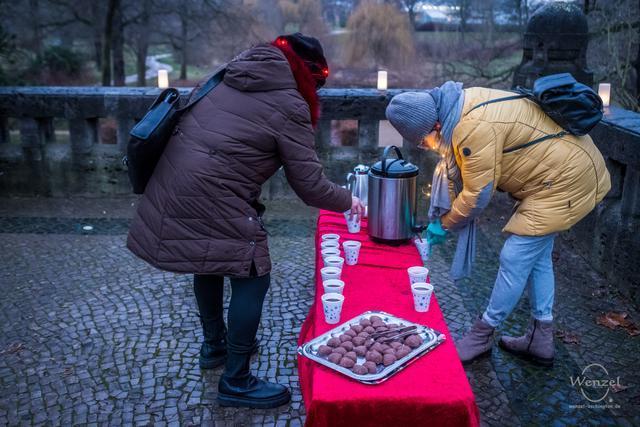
112 6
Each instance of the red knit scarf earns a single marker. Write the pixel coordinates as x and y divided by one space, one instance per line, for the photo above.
304 79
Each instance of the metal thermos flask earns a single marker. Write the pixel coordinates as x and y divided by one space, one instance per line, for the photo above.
392 198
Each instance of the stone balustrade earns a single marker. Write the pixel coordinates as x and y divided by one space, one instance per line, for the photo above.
608 236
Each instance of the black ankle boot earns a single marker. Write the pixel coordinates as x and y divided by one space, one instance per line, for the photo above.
237 387
213 352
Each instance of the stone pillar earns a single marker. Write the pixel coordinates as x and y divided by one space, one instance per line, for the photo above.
631 194
47 128
323 135
83 134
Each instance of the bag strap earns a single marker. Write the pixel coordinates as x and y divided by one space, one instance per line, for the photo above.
206 88
536 141
506 98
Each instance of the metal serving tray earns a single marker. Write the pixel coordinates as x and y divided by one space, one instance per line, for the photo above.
431 337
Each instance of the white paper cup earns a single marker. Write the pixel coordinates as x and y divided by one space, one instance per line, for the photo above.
333 286
330 252
330 236
328 273
423 248
351 251
353 222
334 261
421 296
418 274
330 244
332 304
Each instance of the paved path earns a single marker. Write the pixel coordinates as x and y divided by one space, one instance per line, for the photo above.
90 334
153 65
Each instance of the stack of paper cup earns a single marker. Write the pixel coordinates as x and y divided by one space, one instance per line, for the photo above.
334 261
330 252
423 248
353 222
351 251
328 273
421 295
330 236
332 304
330 244
333 286
418 274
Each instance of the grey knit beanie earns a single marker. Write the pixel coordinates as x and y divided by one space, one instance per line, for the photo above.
413 114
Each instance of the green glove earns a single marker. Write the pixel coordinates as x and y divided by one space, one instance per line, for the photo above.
436 235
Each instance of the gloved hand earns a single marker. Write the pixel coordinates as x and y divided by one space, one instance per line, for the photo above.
436 235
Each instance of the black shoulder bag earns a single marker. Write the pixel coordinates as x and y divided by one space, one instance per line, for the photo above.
149 137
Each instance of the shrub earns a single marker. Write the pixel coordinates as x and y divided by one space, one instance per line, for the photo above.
379 33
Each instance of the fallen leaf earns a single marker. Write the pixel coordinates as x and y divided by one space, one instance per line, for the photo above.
13 348
617 388
633 330
568 337
613 319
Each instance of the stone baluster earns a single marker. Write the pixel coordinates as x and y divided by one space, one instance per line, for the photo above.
32 138
125 124
323 135
368 135
83 134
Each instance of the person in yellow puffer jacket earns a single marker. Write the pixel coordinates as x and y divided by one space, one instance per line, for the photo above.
557 182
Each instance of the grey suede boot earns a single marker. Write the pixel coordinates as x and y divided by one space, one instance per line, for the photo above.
477 342
536 345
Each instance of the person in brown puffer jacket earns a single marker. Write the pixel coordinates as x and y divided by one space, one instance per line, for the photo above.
201 214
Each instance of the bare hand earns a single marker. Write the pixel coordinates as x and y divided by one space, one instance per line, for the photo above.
356 206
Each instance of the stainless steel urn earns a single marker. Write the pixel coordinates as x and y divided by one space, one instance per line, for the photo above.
392 198
358 183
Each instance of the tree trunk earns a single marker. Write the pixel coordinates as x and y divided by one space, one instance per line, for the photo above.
463 17
106 42
36 27
183 48
118 49
143 44
97 37
637 67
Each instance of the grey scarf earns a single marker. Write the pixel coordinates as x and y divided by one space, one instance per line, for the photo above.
449 99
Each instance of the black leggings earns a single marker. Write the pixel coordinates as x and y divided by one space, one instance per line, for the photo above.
245 308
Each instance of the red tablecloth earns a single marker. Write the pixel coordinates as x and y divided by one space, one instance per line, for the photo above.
432 391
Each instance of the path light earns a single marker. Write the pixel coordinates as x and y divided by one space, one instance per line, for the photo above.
604 90
382 80
163 79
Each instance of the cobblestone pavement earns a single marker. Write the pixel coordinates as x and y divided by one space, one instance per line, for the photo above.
91 335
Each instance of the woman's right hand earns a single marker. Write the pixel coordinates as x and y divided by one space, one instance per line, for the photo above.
356 206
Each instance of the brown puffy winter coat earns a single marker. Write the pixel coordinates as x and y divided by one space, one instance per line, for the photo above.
200 211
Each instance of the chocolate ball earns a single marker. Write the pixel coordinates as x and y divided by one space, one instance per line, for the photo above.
395 344
382 329
360 350
352 355
369 329
351 333
369 342
324 350
340 350
374 356
360 370
347 362
389 351
347 345
413 341
365 322
333 342
344 338
359 340
402 352
363 334
357 328
334 357
371 367
388 359
375 318
377 347
392 325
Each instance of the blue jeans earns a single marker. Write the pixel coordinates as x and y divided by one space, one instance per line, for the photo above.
523 258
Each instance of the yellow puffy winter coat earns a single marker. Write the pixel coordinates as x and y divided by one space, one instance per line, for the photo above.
557 181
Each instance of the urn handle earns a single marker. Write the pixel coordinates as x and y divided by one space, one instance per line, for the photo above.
385 156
